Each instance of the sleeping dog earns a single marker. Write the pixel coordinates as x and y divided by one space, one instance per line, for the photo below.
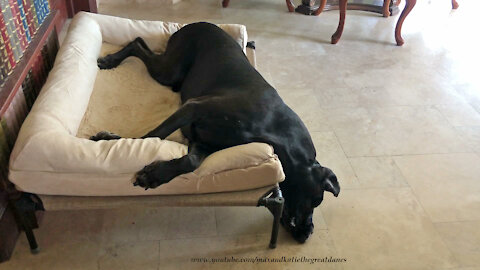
226 102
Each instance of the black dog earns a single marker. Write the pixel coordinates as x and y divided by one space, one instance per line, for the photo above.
226 102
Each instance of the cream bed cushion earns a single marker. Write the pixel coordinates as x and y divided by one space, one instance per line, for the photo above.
52 155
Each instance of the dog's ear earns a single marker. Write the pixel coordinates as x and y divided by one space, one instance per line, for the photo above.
327 180
331 184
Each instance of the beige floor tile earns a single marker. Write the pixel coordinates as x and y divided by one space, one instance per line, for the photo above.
130 225
67 240
463 239
248 220
74 254
178 253
377 172
135 255
471 135
385 229
303 103
393 131
331 155
460 114
243 220
446 185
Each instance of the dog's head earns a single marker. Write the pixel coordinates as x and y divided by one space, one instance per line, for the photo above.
303 195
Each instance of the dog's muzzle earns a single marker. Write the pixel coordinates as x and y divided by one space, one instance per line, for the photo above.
299 227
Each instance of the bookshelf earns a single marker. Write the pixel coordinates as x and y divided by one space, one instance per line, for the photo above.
33 60
13 82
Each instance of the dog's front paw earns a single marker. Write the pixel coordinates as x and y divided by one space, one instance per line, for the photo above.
107 62
104 135
152 176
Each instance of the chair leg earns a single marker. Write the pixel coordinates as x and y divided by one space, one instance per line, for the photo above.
274 204
24 207
454 4
386 8
342 9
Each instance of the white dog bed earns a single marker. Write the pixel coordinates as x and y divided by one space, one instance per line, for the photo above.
53 156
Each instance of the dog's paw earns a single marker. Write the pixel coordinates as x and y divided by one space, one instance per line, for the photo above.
107 62
148 176
154 175
104 135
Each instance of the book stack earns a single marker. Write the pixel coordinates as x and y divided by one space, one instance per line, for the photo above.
19 21
12 117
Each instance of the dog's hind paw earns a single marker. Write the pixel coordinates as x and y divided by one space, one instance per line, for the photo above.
107 62
105 135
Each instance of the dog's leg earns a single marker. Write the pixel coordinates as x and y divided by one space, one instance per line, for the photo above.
161 172
168 68
190 111
137 48
105 136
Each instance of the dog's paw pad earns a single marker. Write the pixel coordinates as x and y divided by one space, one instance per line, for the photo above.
105 135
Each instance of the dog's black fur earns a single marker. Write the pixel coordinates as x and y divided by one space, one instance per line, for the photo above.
226 102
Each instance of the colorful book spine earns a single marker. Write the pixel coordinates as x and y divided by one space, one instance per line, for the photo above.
11 29
8 46
5 67
28 89
39 11
30 21
6 41
3 73
4 157
37 76
18 25
23 18
34 14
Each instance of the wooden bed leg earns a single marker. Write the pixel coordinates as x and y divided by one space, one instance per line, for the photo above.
274 204
24 207
225 3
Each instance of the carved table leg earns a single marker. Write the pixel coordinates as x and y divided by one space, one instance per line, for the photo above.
398 30
290 6
386 8
342 8
320 7
225 3
454 4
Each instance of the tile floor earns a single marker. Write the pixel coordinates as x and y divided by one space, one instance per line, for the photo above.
399 125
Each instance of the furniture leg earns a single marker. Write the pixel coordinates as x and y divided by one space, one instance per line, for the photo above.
320 7
274 204
290 6
225 3
386 8
24 207
342 8
454 4
398 29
